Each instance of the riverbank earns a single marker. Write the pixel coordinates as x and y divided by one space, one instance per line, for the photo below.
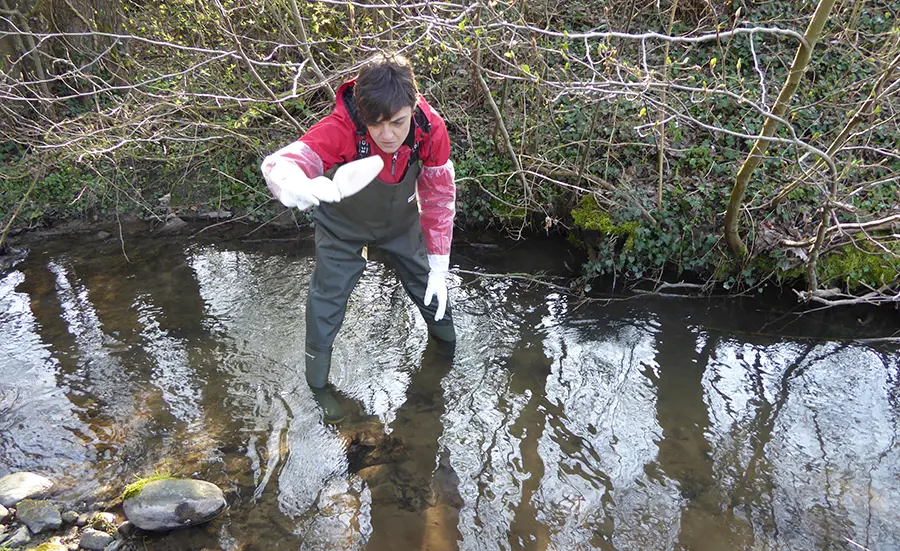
523 249
579 274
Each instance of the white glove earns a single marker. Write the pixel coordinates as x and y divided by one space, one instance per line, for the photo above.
352 177
290 184
437 283
293 188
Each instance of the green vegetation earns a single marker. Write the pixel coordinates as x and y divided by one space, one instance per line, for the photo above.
589 216
133 489
860 267
46 546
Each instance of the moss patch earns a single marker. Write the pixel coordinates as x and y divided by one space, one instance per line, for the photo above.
99 522
859 266
133 489
588 216
48 546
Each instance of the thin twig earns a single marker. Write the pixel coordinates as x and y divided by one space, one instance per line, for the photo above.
18 208
851 542
121 233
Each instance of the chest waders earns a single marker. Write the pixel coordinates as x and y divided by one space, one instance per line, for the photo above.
383 215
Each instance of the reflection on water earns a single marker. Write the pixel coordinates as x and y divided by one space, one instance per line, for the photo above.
695 425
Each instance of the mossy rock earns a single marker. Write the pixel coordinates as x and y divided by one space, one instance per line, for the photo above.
134 489
99 522
855 266
589 216
163 505
47 546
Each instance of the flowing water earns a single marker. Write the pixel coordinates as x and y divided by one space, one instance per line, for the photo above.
630 425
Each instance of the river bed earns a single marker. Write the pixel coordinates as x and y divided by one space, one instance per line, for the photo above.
641 424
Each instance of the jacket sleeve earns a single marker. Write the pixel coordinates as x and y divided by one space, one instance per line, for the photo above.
290 164
326 144
436 187
301 155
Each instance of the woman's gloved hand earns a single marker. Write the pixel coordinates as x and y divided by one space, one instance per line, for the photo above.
290 184
437 283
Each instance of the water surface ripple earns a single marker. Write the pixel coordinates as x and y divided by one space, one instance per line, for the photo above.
557 425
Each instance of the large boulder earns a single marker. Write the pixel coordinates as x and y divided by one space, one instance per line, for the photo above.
169 504
38 516
18 486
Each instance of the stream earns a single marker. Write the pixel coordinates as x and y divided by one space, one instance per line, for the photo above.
558 424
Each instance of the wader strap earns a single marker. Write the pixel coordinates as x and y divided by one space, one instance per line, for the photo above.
363 149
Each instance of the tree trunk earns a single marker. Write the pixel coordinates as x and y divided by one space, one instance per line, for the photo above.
732 215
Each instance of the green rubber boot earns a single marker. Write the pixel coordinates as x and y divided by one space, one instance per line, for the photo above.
326 398
318 364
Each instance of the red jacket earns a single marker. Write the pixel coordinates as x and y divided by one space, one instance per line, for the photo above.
333 139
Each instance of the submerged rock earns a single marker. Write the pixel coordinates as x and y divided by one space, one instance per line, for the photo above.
38 516
126 529
83 519
169 504
172 225
18 538
105 522
95 540
18 486
368 446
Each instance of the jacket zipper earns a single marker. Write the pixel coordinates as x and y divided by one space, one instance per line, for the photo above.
394 162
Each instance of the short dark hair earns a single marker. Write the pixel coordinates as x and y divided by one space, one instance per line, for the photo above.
385 85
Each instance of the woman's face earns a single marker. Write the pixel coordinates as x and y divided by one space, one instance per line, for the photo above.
389 133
